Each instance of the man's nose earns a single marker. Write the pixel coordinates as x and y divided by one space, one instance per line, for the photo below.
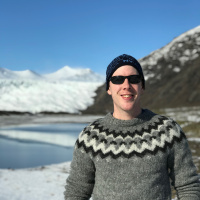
126 83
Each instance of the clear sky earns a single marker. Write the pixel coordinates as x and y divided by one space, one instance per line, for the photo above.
46 35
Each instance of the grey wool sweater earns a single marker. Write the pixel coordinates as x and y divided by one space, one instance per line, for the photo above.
132 160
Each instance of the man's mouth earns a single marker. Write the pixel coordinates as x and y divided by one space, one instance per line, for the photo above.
127 96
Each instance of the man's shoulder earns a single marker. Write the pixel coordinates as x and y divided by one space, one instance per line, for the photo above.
160 116
95 123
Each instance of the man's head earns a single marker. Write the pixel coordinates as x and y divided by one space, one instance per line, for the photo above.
121 61
125 83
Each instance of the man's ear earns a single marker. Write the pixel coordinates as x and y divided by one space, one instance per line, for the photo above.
108 91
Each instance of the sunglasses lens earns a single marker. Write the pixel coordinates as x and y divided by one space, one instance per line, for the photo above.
117 79
133 79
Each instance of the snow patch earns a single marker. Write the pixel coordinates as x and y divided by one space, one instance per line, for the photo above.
41 183
177 69
173 51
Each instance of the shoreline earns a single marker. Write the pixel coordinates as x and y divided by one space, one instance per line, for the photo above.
27 119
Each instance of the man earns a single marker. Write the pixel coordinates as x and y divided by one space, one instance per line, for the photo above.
132 153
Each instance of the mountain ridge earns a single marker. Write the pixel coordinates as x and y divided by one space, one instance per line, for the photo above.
171 74
77 74
66 73
9 74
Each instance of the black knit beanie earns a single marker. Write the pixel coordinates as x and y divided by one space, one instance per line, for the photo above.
121 61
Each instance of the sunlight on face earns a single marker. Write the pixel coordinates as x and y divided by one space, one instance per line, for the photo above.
126 96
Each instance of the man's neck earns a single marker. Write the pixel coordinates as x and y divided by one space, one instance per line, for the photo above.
127 115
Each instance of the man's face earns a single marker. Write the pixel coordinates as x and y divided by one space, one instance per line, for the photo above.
126 96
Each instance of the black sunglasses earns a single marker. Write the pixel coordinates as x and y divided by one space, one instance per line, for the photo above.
133 79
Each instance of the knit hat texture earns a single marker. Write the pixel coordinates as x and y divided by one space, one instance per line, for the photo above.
122 60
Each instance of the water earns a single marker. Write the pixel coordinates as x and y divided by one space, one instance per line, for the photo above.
37 145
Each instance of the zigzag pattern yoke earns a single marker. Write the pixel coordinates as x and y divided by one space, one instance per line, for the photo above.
156 136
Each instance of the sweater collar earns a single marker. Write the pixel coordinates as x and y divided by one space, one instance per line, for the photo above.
144 116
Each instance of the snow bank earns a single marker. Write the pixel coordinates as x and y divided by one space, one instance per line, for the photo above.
44 183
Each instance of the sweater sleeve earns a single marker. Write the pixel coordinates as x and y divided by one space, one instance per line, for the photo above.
183 173
80 181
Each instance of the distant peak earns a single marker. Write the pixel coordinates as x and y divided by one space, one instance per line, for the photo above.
65 73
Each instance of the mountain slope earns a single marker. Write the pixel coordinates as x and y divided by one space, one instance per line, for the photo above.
173 78
67 90
171 73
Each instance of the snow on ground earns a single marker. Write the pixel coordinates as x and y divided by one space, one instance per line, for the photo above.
43 183
189 114
194 139
15 120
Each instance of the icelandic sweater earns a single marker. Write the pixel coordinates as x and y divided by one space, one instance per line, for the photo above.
131 160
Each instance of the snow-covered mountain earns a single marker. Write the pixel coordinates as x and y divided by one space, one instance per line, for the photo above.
180 51
71 74
9 74
67 90
171 73
66 73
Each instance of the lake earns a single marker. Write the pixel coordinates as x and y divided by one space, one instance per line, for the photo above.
37 145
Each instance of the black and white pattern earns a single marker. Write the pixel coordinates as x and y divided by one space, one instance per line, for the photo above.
99 140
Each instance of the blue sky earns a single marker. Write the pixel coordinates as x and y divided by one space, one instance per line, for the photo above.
46 35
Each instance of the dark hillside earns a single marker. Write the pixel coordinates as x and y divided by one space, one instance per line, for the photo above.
172 76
